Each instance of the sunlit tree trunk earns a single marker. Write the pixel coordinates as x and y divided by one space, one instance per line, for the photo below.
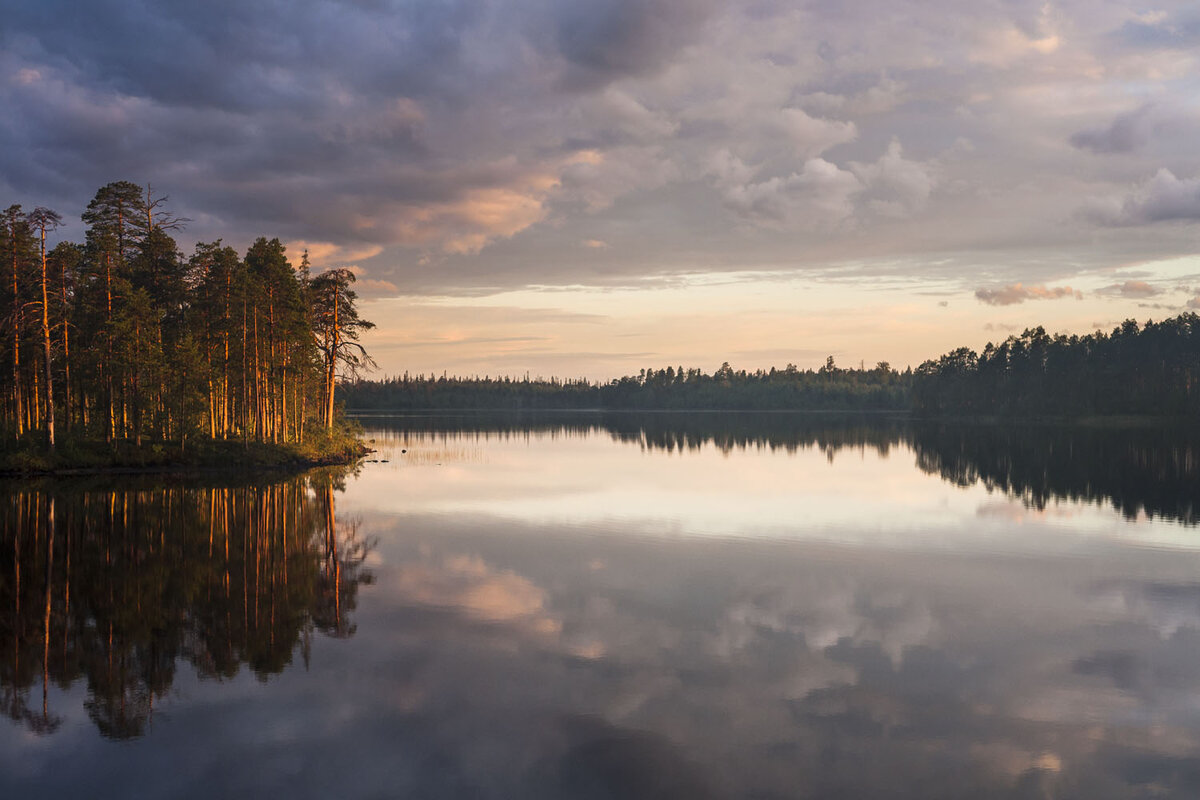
258 387
228 410
331 361
244 423
66 344
137 399
111 432
44 219
16 342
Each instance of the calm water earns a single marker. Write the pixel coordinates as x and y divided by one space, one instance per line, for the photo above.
620 606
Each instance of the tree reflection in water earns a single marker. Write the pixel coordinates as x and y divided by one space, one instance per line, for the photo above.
1151 470
118 586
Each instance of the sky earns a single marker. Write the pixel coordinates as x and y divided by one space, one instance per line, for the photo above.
587 189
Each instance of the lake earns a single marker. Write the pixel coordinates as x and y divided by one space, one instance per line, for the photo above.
619 606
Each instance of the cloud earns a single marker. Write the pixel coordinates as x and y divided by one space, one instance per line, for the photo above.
1162 29
1126 133
606 40
1194 303
880 98
812 136
820 195
477 143
1162 198
329 254
1018 293
1002 47
593 182
1130 289
895 186
373 286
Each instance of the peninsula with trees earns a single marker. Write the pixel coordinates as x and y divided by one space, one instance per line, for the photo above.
120 351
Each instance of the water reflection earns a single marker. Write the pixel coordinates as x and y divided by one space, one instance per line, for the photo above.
522 661
1142 471
503 651
117 587
1150 471
666 431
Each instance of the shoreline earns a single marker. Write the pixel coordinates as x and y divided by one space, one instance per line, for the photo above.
90 459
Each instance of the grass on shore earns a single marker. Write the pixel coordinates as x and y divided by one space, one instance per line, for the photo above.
75 455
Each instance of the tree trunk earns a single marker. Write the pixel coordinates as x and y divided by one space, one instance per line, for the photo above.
66 341
16 338
331 362
108 381
49 390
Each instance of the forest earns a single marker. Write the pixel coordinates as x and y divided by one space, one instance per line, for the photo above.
880 388
119 348
1151 369
1136 370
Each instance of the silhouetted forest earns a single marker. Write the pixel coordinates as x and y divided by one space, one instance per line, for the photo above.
828 388
1153 369
122 339
116 588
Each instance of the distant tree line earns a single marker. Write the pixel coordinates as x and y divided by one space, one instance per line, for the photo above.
122 338
1153 369
828 388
